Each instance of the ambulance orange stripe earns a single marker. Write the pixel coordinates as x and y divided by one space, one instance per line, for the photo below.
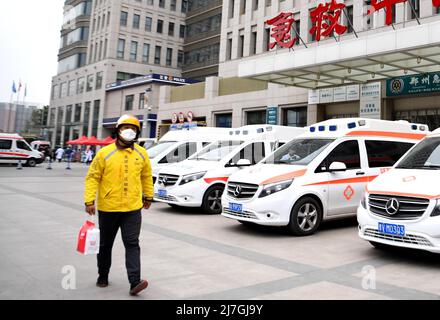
14 154
209 180
404 194
285 176
340 181
415 136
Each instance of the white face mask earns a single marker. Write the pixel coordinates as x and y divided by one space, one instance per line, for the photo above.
128 134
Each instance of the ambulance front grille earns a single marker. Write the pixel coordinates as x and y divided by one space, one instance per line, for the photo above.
240 190
167 179
409 207
407 239
244 214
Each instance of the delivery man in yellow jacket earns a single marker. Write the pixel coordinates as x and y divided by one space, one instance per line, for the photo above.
121 175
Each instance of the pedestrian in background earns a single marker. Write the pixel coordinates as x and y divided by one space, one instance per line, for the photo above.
121 174
59 154
89 156
69 153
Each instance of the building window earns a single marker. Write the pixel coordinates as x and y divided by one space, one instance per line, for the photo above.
184 7
256 117
173 5
229 49
148 23
124 19
429 116
150 2
254 5
180 58
86 118
231 8
349 19
169 56
129 102
146 53
253 42
99 80
182 31
241 46
71 89
95 120
142 100
171 29
295 117
223 120
157 53
80 86
266 39
161 3
243 7
159 26
416 5
133 51
121 49
296 34
136 21
77 115
90 80
69 114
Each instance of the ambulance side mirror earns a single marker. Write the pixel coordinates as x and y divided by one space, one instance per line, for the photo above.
337 167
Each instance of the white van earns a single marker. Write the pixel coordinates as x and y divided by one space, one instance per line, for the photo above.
147 143
37 144
319 175
177 145
200 180
14 148
402 206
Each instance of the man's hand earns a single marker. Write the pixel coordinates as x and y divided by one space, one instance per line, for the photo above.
90 209
147 204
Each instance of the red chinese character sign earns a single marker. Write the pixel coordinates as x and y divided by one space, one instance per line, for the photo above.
282 24
388 6
325 19
436 3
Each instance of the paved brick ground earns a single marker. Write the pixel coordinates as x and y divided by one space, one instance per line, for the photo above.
189 255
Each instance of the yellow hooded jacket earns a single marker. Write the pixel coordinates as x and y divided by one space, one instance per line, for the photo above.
121 177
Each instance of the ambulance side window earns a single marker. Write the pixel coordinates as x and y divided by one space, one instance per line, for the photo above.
385 153
22 145
204 144
346 152
5 144
180 153
253 152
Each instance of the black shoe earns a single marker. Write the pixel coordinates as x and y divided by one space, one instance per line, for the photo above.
135 288
102 281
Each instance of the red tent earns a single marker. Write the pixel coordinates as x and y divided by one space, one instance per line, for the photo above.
78 141
93 141
108 140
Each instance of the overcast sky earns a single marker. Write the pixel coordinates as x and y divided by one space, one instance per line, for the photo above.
29 43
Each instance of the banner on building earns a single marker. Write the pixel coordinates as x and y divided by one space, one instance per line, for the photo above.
415 84
370 100
272 115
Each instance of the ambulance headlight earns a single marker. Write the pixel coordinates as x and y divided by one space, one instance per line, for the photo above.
436 211
271 188
192 177
364 201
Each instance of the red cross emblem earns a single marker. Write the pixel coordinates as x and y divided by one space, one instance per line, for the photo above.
348 192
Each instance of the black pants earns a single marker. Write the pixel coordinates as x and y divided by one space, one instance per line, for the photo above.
130 224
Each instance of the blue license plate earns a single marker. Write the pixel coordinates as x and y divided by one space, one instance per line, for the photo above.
162 193
235 207
392 229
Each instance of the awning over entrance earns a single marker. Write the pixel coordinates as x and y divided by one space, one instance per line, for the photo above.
372 56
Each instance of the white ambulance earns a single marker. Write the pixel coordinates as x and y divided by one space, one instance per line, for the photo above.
177 145
14 148
402 206
200 180
319 175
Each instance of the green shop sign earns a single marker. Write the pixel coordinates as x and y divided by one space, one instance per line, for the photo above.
272 115
418 83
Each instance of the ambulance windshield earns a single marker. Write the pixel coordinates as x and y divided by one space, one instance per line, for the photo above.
159 148
425 155
298 151
216 150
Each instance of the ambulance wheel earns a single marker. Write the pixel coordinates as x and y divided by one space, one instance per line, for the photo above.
31 162
212 200
305 217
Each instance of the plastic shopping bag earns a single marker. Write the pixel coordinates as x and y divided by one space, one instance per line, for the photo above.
88 239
